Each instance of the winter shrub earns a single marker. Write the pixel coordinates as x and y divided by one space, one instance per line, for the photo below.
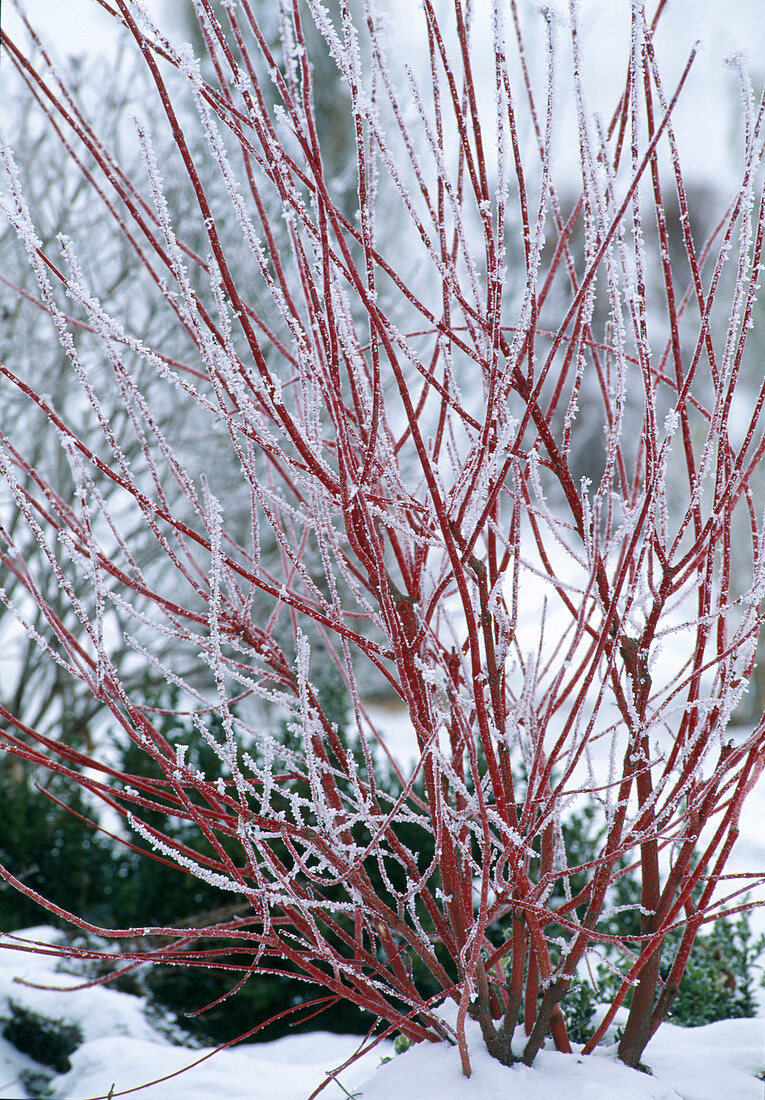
480 450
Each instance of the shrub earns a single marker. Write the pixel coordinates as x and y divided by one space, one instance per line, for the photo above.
48 1041
718 982
46 844
445 412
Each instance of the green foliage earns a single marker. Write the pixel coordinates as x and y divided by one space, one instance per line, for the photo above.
151 893
719 979
47 1041
718 983
401 1043
578 1007
50 849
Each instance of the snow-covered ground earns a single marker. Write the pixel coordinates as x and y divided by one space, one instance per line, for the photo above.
122 1051
704 1063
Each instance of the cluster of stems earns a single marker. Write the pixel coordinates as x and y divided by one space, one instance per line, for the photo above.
479 421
